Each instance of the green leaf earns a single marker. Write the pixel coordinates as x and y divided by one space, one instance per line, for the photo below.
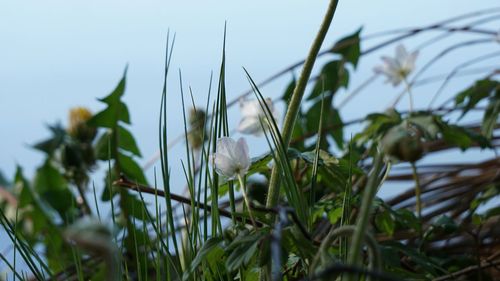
109 191
260 163
407 219
492 213
102 146
136 207
109 117
331 121
299 131
131 169
489 193
349 48
3 180
116 110
127 141
289 91
385 222
211 245
426 263
462 137
243 248
53 188
446 224
471 96
379 123
49 178
25 197
426 123
334 215
241 256
490 118
333 76
50 145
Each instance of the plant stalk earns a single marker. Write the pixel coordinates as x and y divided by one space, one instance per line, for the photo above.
418 191
298 93
245 197
364 214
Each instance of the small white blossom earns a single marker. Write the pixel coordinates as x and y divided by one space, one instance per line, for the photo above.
252 115
231 158
398 68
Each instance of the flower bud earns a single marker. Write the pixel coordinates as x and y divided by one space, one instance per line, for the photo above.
78 128
196 134
403 143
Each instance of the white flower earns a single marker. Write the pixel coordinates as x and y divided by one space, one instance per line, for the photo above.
398 68
252 115
231 158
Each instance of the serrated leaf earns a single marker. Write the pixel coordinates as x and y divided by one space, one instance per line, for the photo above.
102 146
51 144
109 117
116 110
131 169
127 142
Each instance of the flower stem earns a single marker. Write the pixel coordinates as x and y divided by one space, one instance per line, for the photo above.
298 93
410 95
418 191
245 198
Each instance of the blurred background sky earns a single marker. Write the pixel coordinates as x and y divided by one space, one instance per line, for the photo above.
55 55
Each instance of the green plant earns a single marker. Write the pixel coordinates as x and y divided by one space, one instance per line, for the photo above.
307 209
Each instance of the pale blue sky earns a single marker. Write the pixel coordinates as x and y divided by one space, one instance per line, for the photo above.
58 54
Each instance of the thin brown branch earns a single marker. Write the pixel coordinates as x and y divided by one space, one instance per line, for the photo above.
124 182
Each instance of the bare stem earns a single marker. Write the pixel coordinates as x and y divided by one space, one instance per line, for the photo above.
297 95
364 214
245 197
418 191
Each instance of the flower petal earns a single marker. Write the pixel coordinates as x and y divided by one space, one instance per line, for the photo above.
224 165
410 62
250 126
250 108
242 154
225 146
401 53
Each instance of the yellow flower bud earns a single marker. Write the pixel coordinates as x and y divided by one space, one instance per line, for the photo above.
78 128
